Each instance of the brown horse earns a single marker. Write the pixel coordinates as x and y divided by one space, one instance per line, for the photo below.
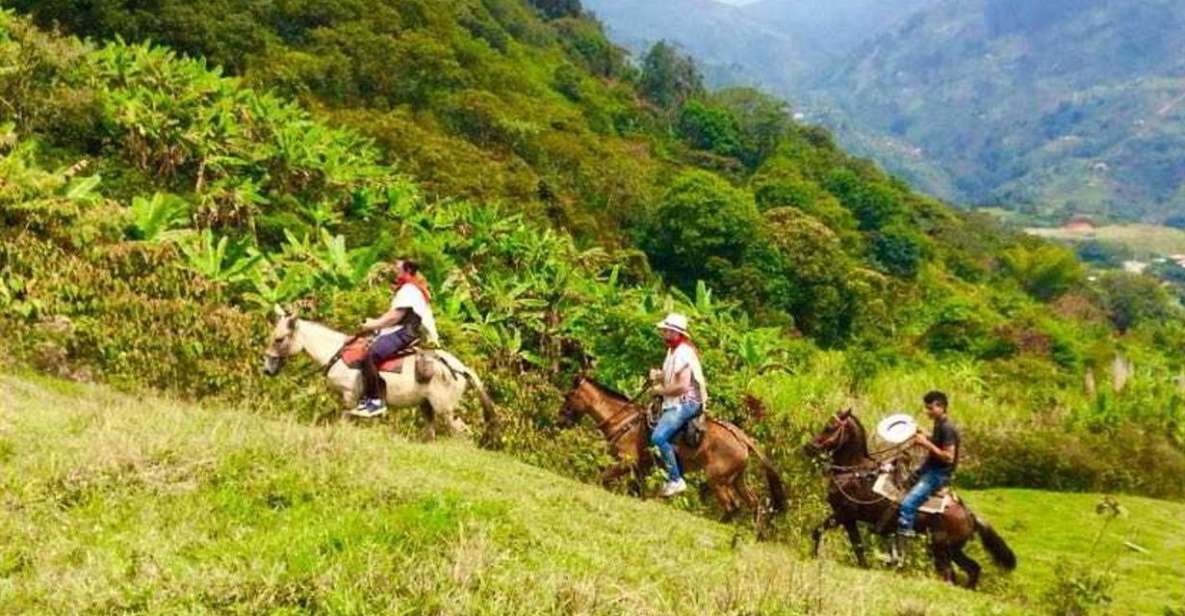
852 473
723 452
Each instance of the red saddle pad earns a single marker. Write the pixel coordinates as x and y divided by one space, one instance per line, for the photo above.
355 352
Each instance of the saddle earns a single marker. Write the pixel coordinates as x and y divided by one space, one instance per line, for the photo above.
692 433
937 503
354 353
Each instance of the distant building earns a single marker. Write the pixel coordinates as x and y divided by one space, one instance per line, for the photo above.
1079 224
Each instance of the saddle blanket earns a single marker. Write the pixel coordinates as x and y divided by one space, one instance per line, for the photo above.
355 352
935 504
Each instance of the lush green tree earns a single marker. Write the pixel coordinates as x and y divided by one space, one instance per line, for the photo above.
669 77
780 183
701 218
1134 299
804 271
711 127
554 9
897 250
874 203
1044 270
764 121
1104 254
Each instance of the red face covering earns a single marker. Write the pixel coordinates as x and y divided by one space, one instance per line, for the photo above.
414 280
674 342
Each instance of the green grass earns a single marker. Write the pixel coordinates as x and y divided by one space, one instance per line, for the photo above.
1144 240
120 503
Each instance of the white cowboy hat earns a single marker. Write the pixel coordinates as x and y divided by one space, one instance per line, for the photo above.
896 429
674 322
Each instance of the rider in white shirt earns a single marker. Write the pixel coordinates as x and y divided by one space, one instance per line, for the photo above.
684 393
399 328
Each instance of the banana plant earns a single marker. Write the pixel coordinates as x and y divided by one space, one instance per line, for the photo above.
158 218
218 259
273 284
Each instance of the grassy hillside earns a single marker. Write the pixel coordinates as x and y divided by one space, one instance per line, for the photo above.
139 503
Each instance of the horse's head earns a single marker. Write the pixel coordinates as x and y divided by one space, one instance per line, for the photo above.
838 431
575 404
284 342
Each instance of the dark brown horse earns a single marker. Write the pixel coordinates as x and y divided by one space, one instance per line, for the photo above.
723 453
852 473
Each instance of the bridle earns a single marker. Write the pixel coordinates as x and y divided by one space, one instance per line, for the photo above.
836 471
624 417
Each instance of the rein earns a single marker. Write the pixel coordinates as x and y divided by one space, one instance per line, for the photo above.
625 425
338 355
859 471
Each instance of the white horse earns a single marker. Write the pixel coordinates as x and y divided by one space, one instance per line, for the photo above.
439 396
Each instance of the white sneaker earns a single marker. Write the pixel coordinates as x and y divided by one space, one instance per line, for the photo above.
373 408
672 488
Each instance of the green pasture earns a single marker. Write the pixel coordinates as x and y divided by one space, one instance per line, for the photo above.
1143 240
118 503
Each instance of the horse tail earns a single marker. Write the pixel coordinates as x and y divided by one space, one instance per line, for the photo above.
777 489
1001 554
489 413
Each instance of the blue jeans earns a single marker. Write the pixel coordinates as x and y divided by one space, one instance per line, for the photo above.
380 349
664 431
928 483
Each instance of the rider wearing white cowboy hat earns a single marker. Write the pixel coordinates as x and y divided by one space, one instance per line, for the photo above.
684 393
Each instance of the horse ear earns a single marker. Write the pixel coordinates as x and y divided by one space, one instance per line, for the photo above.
577 380
844 414
280 311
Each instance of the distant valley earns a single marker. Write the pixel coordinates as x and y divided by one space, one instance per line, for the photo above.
1048 109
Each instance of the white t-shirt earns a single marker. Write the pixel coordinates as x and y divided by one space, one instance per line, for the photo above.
409 297
680 358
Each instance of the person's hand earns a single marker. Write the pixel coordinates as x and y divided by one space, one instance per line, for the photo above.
656 389
922 440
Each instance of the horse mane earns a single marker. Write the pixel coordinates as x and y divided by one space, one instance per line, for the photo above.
608 391
860 425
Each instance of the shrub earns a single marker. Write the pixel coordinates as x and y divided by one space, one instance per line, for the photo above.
701 217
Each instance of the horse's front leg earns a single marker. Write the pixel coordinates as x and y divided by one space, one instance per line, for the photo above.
613 473
857 542
817 534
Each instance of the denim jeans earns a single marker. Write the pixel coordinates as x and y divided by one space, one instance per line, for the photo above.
928 483
665 430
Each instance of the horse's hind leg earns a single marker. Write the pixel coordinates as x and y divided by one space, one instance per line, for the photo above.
941 551
968 564
817 534
751 501
857 542
726 499
429 415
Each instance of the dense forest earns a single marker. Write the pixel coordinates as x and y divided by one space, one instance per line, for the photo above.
168 180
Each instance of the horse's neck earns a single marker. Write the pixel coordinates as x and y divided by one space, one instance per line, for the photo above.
854 451
320 342
602 408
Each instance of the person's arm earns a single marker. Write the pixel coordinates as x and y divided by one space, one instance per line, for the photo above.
391 317
946 454
680 385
